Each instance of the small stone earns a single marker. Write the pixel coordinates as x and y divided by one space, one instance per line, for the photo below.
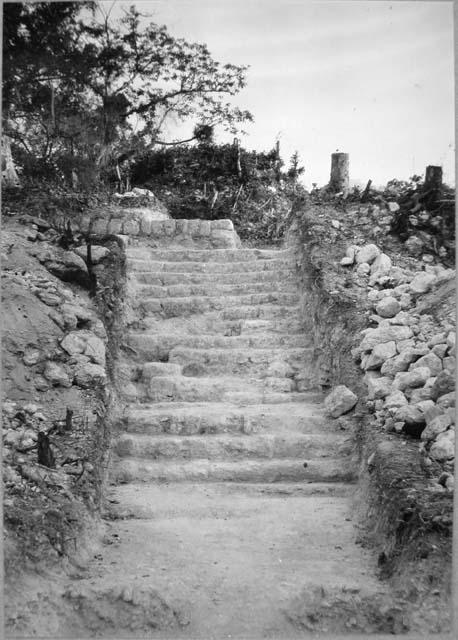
388 307
405 300
340 401
30 408
367 254
40 383
9 408
451 340
56 375
395 400
32 356
51 299
363 269
381 264
414 246
430 360
393 207
450 364
346 262
336 224
280 369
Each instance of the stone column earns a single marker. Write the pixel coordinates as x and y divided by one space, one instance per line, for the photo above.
339 181
433 177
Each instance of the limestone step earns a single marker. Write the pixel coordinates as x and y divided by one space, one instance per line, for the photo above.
208 255
213 417
170 307
150 265
165 278
213 289
293 470
141 501
211 324
216 389
231 447
238 361
264 311
158 346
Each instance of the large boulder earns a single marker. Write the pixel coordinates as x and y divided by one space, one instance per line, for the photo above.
445 383
66 265
373 337
377 387
56 375
86 343
380 353
443 447
422 283
388 307
412 379
437 425
430 360
340 401
98 253
89 375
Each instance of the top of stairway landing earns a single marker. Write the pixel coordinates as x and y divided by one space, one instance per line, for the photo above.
167 232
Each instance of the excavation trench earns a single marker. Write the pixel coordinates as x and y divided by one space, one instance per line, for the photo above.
230 505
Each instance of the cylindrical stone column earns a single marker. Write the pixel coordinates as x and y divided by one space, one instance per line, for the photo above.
340 175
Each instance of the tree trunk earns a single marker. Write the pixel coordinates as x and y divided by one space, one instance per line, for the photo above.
340 174
9 174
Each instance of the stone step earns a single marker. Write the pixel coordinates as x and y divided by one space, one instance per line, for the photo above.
213 289
249 361
165 279
150 265
261 311
171 307
208 255
231 447
295 470
166 501
216 389
158 346
213 417
212 324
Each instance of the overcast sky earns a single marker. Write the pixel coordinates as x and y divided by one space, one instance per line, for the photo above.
372 78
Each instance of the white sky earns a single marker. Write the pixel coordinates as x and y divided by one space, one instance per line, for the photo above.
372 78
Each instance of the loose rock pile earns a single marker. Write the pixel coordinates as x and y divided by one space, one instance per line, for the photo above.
408 357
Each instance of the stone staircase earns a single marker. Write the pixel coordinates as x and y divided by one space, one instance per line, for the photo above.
225 471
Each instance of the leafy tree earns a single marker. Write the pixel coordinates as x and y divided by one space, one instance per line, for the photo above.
295 170
77 82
